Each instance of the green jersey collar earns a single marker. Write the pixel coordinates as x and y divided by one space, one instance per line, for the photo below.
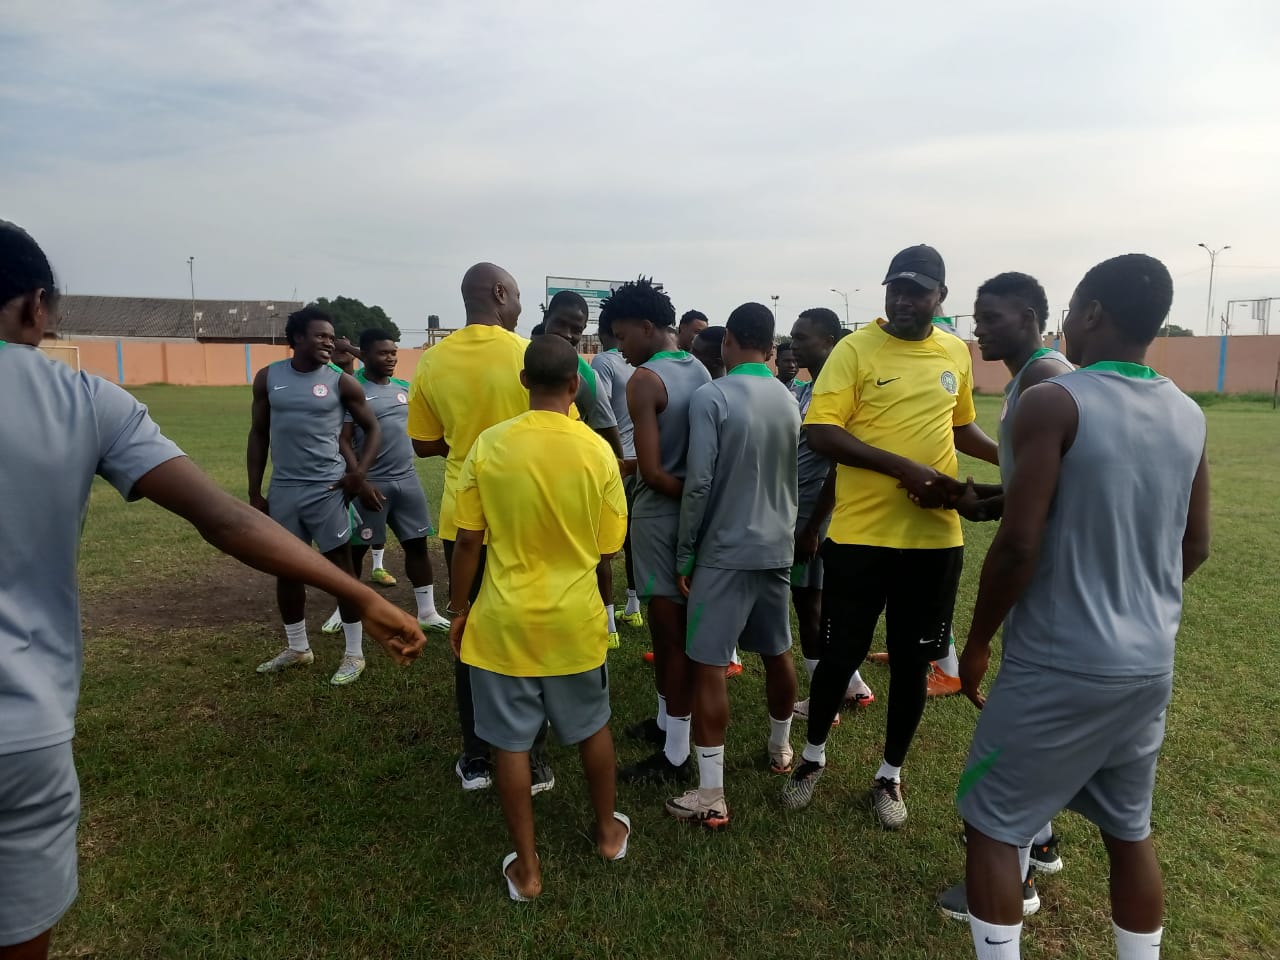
670 355
1135 370
752 370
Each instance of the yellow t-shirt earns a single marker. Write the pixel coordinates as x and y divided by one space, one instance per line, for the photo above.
903 396
465 384
547 491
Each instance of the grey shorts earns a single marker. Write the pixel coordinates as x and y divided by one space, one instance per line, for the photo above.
749 609
808 576
1048 741
405 512
653 556
311 512
39 811
511 711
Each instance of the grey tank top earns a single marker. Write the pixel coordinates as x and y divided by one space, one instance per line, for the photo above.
613 373
1012 391
1106 596
306 418
390 404
681 374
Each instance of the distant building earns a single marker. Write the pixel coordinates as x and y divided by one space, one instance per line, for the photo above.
155 318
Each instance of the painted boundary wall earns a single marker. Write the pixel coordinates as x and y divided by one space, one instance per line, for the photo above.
1224 364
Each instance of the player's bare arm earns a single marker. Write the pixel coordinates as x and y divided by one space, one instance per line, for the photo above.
259 440
1195 541
466 564
353 398
972 440
646 398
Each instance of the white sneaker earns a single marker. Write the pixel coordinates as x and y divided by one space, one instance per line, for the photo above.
859 694
287 658
434 624
333 624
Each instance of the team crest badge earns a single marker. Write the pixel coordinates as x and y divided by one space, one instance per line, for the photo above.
401 398
949 382
366 534
320 390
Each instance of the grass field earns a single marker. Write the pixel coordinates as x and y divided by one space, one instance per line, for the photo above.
230 815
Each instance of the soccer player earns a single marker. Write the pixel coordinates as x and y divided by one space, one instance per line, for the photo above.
813 337
708 348
465 384
692 323
1105 516
548 494
1010 315
613 373
62 427
893 404
788 366
298 408
658 395
734 550
395 498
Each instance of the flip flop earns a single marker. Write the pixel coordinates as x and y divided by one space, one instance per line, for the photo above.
623 819
512 892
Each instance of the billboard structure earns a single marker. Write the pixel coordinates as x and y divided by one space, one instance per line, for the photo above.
592 291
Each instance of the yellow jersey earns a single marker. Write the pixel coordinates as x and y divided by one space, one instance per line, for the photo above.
547 492
465 384
904 396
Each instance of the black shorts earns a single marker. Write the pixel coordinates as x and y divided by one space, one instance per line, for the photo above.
915 589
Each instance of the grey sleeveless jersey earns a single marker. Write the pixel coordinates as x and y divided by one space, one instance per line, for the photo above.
1106 596
811 467
1012 391
681 374
306 418
613 373
390 404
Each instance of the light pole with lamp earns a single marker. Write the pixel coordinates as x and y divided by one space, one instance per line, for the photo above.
774 298
845 297
191 270
1208 309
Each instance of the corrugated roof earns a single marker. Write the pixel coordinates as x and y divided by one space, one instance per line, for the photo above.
91 316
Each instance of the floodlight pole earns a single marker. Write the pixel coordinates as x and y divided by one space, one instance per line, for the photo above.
1208 309
191 270
841 293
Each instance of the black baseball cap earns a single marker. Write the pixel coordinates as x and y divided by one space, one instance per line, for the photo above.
920 264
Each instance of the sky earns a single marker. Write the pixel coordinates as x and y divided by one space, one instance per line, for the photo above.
733 151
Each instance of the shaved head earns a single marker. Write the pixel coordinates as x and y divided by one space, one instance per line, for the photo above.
491 295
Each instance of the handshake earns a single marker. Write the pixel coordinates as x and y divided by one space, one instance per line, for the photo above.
931 490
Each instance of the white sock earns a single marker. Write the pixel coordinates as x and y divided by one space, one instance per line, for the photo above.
1137 946
613 626
736 659
889 772
949 664
426 597
296 634
354 634
995 942
711 768
677 746
809 667
377 557
815 753
633 603
1045 834
1024 861
662 713
856 683
779 734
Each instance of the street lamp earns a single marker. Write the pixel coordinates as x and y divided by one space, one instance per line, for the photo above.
191 270
841 293
1208 310
774 298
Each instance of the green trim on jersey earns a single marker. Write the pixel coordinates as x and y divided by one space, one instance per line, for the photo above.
360 376
334 367
588 375
752 370
1135 370
401 383
670 355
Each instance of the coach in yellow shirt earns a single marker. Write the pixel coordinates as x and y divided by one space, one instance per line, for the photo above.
465 384
892 404
547 492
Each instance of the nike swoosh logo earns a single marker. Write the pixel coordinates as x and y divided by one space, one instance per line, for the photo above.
280 387
421 529
997 943
881 383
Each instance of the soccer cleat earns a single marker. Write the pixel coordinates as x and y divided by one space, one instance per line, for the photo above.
613 641
630 619
859 694
434 624
797 792
886 801
542 779
287 658
348 671
648 731
475 773
648 656
692 808
382 578
1044 856
940 684
333 624
733 670
657 769
877 658
954 902
801 710
780 762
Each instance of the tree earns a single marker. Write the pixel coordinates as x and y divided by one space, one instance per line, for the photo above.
351 317
1173 330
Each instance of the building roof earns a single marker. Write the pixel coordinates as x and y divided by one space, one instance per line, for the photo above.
90 316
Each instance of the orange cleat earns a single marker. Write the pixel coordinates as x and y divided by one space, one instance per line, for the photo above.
942 685
648 656
877 657
732 670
